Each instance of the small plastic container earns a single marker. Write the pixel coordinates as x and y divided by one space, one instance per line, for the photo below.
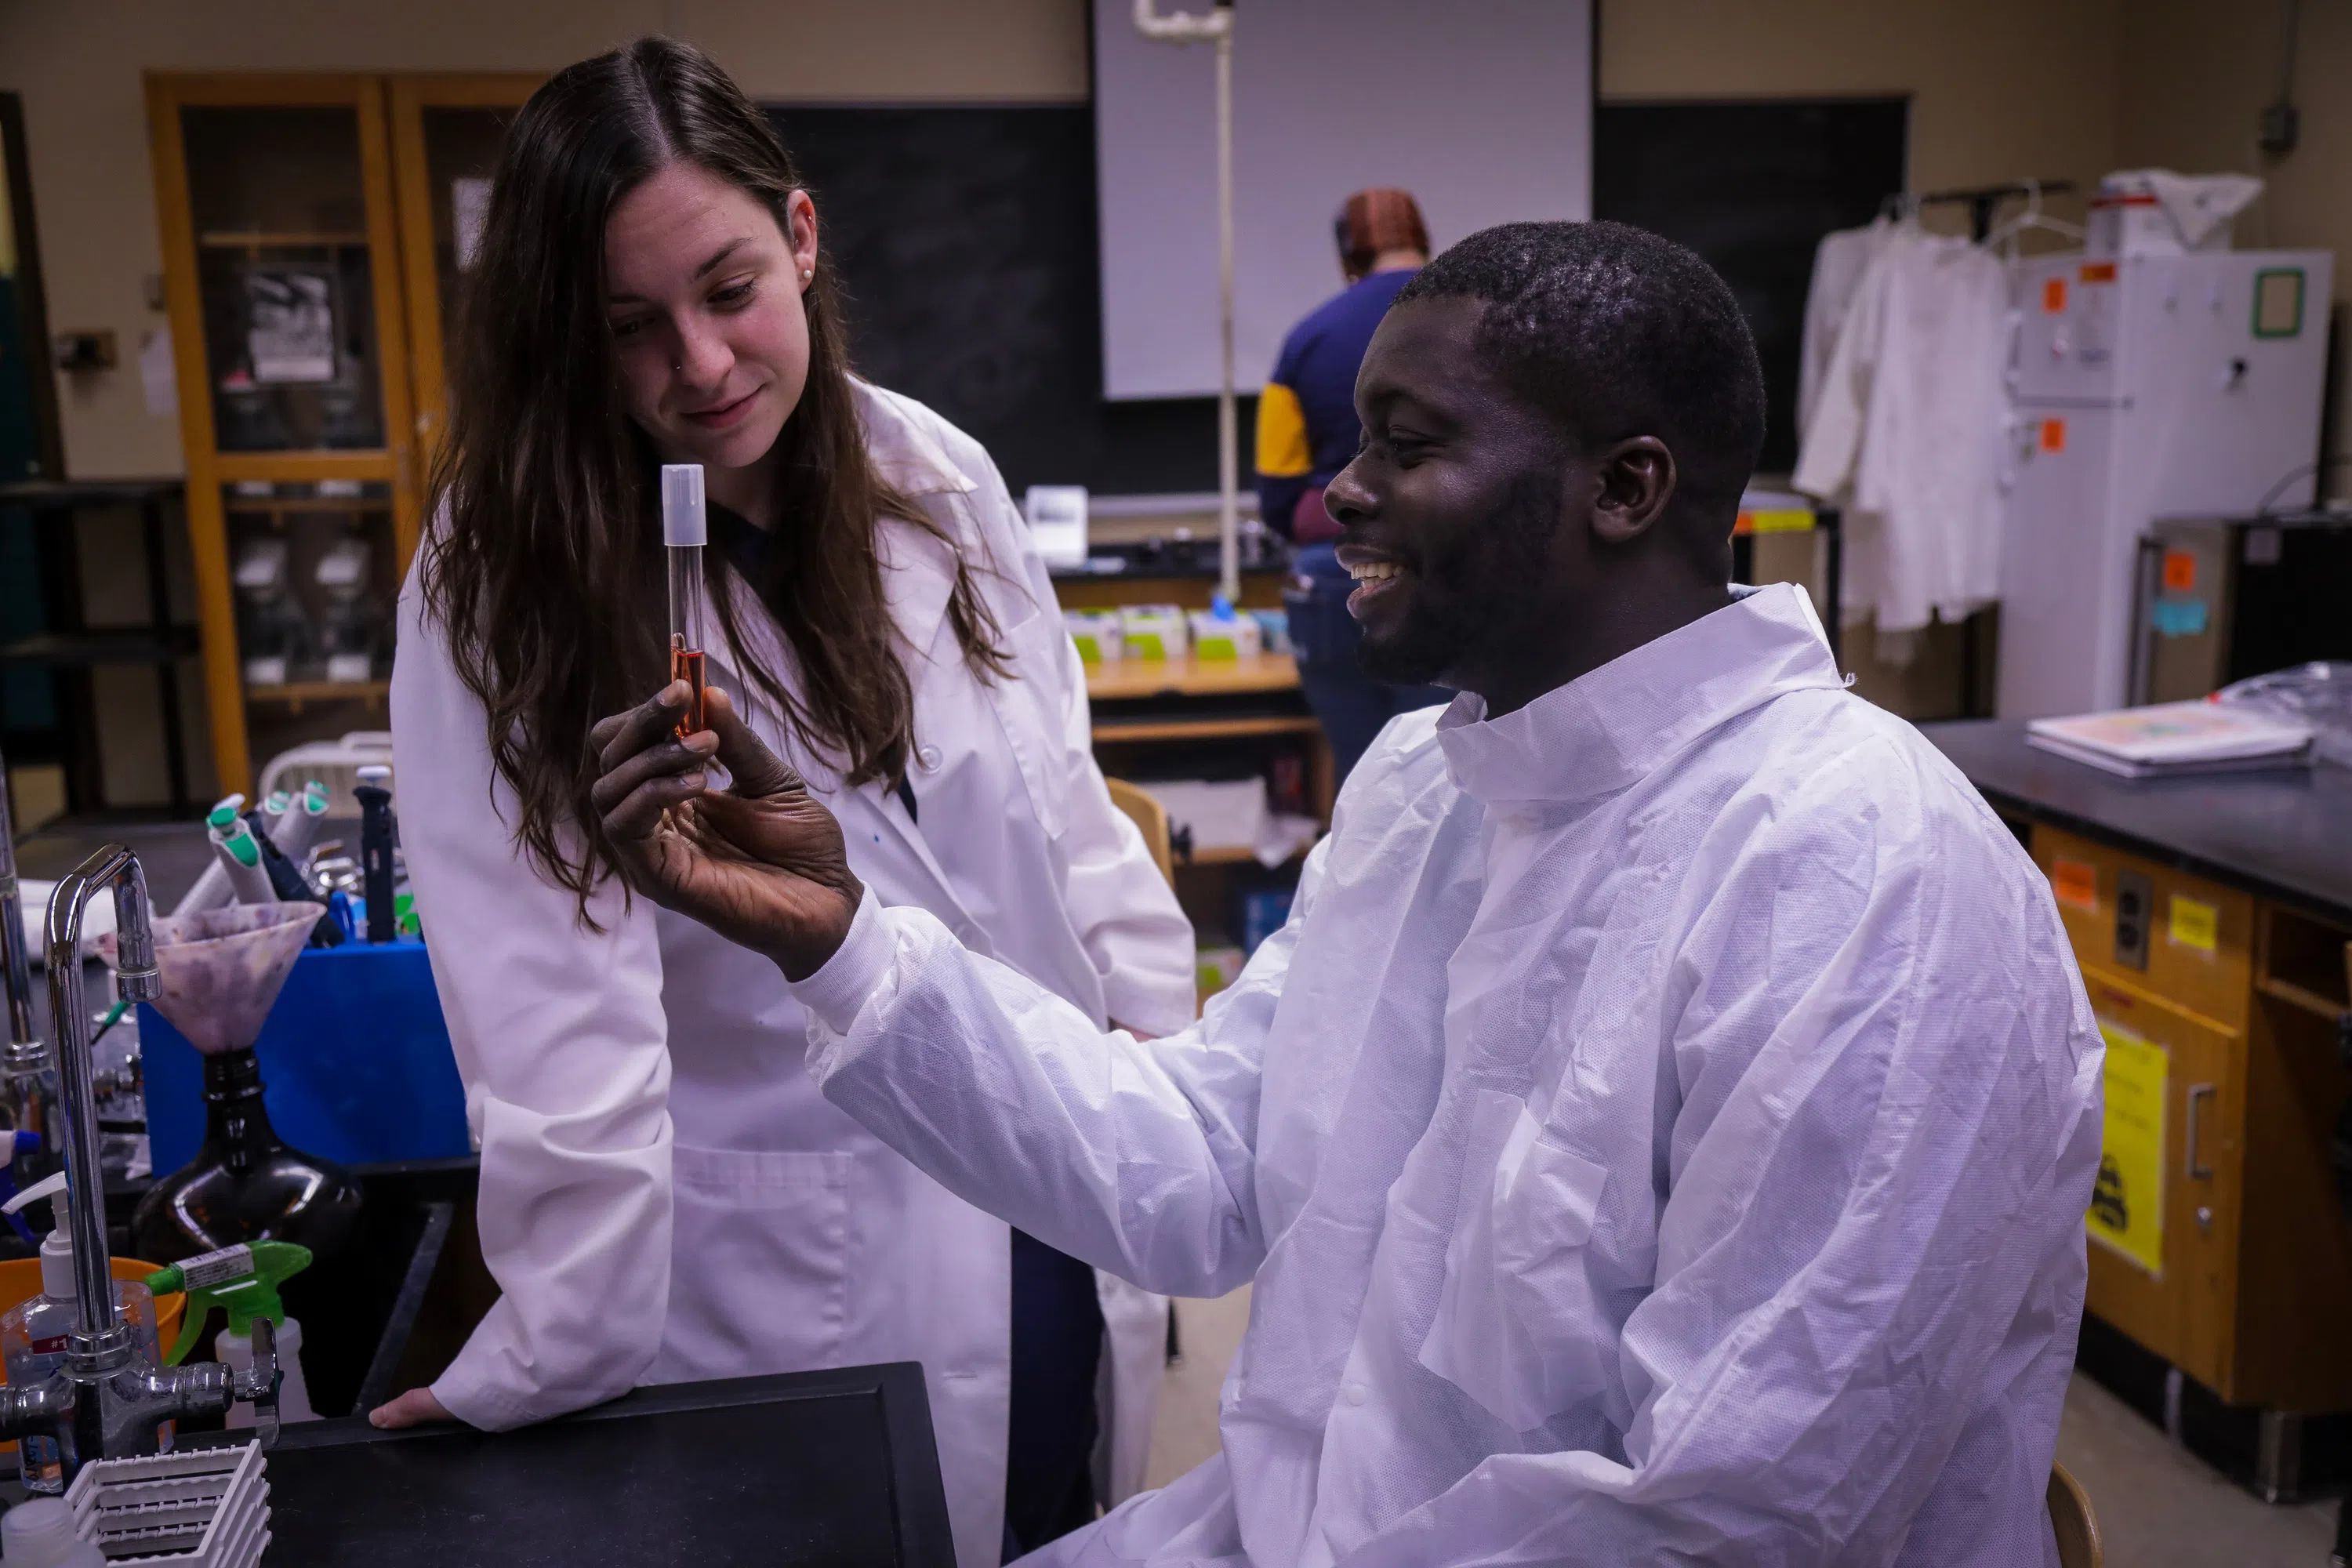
1154 631
1219 633
40 1533
1100 634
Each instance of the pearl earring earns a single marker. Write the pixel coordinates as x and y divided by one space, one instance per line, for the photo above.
807 273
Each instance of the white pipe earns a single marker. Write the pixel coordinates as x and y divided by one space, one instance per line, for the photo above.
1217 27
1229 567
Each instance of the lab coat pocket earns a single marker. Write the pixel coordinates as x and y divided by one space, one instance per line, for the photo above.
759 1276
1028 709
1519 1327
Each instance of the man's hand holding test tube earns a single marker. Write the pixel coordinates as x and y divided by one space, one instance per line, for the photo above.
761 862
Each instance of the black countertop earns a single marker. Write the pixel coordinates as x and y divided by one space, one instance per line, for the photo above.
2284 835
815 1468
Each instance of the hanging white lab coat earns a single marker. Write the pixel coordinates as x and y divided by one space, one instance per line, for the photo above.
1909 429
1840 262
665 1195
1661 1134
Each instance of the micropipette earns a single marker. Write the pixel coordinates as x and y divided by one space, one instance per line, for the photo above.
685 529
238 853
375 848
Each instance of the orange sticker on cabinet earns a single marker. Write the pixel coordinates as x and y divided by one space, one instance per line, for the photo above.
2179 571
2098 272
2053 434
2054 295
2076 882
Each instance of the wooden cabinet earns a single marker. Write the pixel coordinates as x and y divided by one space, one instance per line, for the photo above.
295 276
2179 1311
2235 1005
445 134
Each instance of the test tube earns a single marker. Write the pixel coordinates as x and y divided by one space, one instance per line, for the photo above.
685 529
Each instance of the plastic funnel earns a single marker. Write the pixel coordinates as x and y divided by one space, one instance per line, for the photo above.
224 967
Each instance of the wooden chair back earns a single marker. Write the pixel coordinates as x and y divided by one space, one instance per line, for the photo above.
2076 1525
1150 816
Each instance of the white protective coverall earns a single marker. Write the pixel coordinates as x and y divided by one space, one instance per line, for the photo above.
665 1196
1661 1134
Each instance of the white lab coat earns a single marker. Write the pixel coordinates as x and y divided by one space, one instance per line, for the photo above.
1661 1134
1909 429
665 1195
1840 262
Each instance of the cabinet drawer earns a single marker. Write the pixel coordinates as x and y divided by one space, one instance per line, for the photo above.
2194 936
2164 1221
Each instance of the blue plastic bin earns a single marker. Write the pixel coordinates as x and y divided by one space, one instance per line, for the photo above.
354 1056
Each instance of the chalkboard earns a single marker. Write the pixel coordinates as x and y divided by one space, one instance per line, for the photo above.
965 236
1752 186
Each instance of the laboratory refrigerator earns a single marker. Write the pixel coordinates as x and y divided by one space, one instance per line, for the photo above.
2144 386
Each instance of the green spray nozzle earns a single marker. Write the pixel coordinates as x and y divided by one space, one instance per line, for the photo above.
241 1280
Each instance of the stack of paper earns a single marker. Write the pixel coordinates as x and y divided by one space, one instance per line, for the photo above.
2175 738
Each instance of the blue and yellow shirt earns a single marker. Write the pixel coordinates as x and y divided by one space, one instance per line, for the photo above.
1307 429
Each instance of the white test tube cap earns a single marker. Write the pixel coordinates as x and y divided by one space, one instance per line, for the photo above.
683 518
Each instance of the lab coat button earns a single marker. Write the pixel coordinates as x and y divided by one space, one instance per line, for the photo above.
927 759
1354 1394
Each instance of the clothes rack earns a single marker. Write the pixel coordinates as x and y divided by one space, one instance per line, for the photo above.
1982 201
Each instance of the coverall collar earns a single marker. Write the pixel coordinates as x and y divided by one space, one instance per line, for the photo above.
1607 729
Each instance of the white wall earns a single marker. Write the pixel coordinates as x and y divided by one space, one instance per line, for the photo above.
1481 108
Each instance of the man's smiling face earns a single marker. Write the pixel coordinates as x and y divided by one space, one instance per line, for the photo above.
1451 506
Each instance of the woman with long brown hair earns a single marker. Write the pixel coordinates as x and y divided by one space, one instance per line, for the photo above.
665 1195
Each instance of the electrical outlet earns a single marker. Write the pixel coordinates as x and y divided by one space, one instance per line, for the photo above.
86 351
2135 910
2280 129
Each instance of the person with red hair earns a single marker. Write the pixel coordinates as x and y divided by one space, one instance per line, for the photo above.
1307 433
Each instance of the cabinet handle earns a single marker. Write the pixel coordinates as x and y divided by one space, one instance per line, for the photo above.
2197 1092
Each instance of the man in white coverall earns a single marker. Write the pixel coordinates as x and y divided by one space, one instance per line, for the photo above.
1661 1133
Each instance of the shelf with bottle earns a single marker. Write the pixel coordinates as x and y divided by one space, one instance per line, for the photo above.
285 276
281 500
314 579
233 239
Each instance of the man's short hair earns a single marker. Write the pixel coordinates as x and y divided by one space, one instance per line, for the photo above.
1615 332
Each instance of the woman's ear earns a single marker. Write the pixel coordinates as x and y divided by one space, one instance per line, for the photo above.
1636 481
799 222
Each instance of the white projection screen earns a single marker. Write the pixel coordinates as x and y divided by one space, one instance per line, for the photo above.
1483 108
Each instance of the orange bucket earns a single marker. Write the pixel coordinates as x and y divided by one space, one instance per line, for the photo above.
20 1280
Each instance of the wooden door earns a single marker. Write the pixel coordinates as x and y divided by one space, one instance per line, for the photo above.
446 135
2164 1261
274 196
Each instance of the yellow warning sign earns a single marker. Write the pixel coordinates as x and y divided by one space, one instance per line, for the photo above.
2195 924
2127 1201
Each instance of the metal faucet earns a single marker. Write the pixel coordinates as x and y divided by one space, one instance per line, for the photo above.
98 1405
29 1083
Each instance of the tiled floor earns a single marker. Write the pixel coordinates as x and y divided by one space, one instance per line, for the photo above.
2157 1507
